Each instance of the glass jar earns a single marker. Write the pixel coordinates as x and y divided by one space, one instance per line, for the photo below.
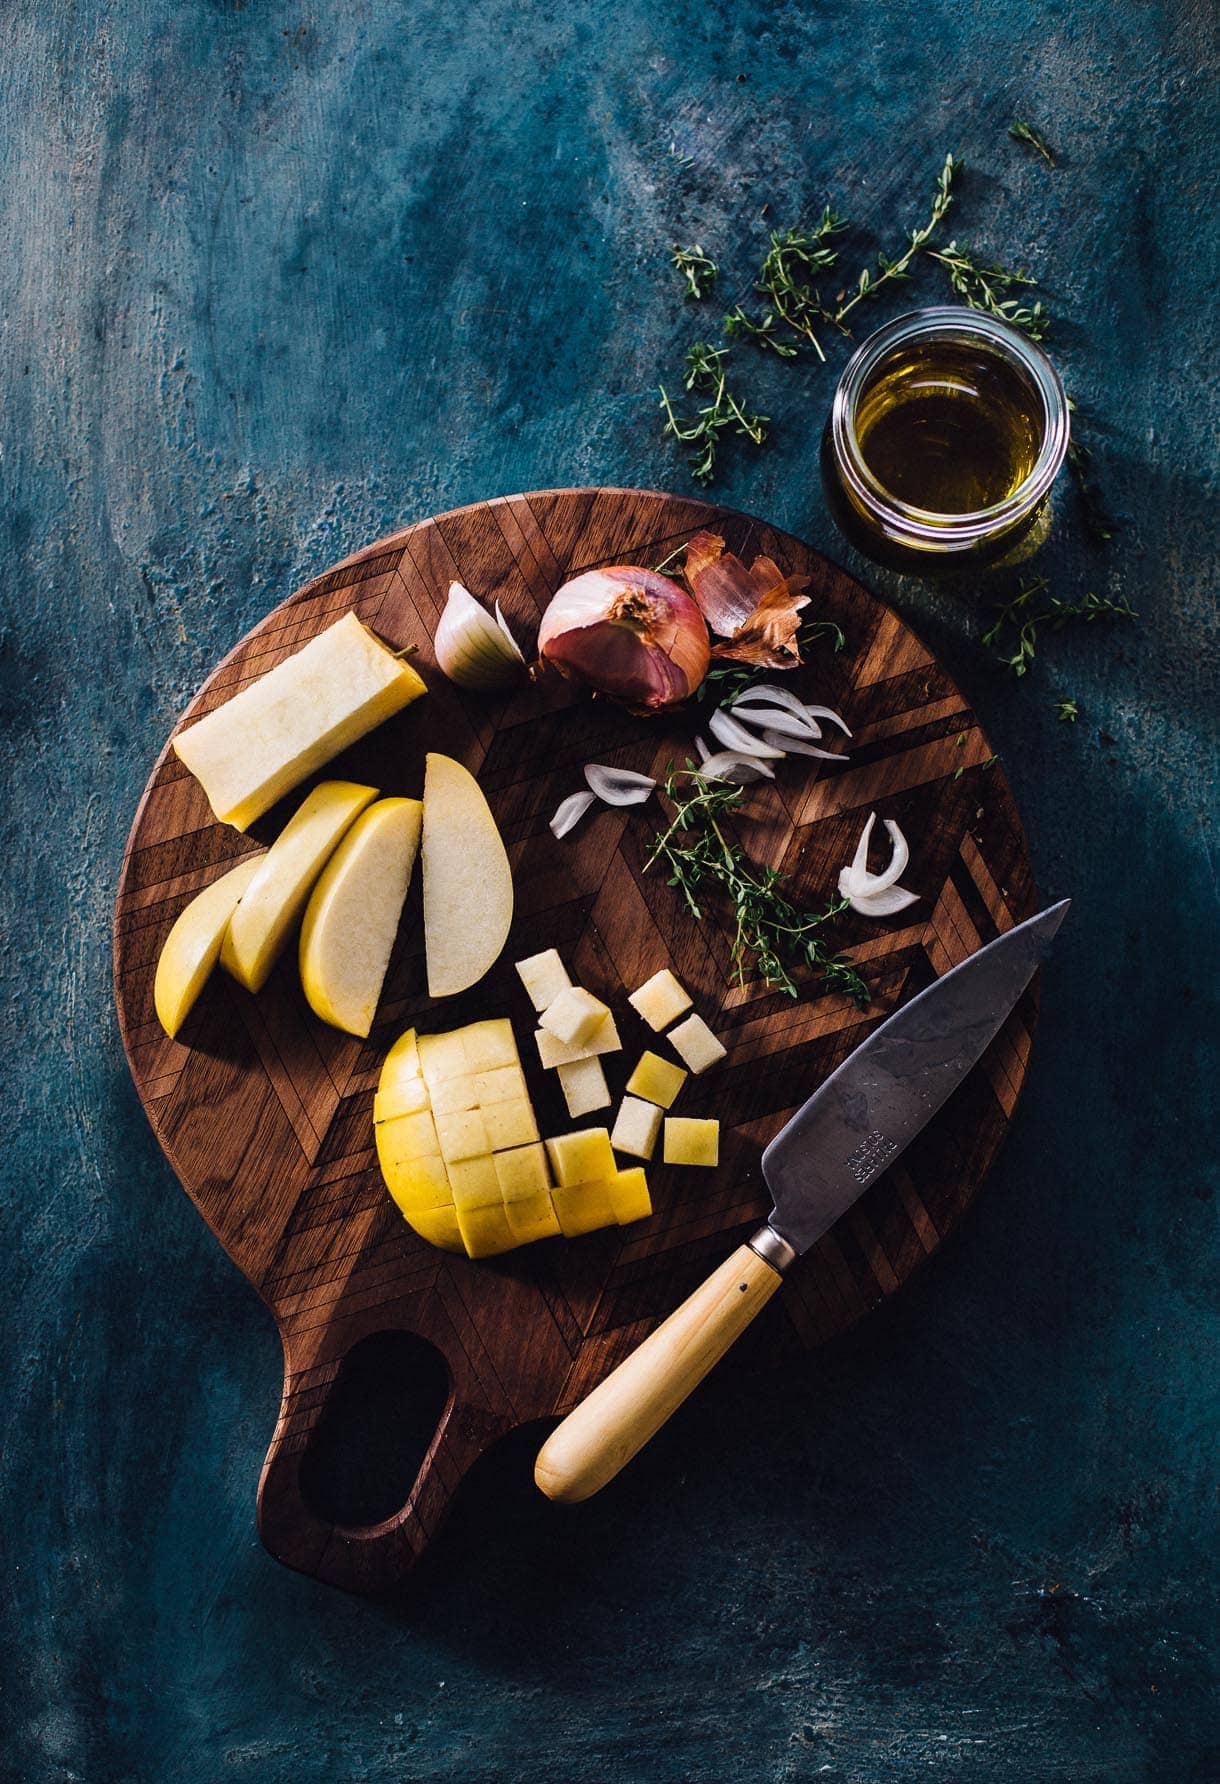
947 430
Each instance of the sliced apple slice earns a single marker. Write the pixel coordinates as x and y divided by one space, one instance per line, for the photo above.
277 893
468 886
353 913
192 946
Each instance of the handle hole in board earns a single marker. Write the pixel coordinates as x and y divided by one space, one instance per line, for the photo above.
382 1413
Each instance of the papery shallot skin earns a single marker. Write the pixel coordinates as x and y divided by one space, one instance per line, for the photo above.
627 632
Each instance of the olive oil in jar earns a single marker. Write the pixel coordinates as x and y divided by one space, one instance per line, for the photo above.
947 430
949 427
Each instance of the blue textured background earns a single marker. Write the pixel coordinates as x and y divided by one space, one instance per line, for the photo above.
277 278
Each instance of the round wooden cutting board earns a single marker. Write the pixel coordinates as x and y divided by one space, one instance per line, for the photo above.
266 1115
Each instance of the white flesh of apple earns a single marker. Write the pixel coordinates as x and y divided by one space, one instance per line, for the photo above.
468 886
353 914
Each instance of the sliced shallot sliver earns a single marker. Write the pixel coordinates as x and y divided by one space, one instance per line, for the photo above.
705 754
769 693
736 765
618 786
797 746
571 812
774 718
826 712
733 736
857 881
886 903
504 627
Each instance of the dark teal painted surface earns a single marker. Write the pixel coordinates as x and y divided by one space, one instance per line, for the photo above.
277 278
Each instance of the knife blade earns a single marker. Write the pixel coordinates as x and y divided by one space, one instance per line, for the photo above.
822 1160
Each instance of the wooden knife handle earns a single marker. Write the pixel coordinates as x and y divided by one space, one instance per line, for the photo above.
616 1420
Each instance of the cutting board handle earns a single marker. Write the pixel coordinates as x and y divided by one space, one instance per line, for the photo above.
615 1421
373 1559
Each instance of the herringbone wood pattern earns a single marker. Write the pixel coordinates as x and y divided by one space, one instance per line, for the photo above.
265 1114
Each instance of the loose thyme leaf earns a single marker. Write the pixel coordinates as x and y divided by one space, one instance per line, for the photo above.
868 284
722 413
1067 711
1034 139
770 932
986 287
698 269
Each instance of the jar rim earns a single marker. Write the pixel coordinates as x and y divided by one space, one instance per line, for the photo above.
924 526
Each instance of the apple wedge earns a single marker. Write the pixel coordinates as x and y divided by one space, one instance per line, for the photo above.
192 946
273 734
353 914
468 886
277 893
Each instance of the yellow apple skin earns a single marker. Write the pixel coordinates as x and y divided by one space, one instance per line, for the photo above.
353 914
192 946
468 884
290 722
277 893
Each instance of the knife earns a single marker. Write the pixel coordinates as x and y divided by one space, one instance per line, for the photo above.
821 1161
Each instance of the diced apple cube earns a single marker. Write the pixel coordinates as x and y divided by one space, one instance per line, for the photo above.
454 1094
485 1231
584 1087
439 1226
417 1184
405 1139
474 1183
629 1197
489 1045
583 1208
522 1172
462 1135
554 1052
573 1016
509 1124
442 1056
401 1096
694 1042
502 1085
544 977
660 1000
636 1127
582 1157
690 1141
532 1218
657 1080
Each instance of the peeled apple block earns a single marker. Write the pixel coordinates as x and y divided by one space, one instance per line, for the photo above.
468 885
192 946
279 891
475 1177
353 914
290 722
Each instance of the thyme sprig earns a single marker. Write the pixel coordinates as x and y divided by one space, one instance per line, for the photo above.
869 284
762 330
1067 711
988 287
722 413
1020 131
1099 522
771 935
1023 620
698 269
